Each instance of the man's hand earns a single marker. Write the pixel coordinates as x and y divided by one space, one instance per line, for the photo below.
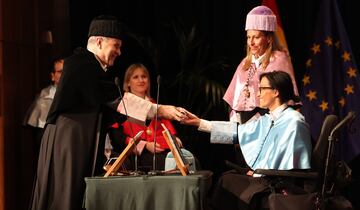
172 112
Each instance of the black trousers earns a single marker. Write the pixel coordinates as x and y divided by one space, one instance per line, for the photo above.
238 191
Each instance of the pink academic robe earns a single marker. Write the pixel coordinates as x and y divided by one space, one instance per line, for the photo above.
235 95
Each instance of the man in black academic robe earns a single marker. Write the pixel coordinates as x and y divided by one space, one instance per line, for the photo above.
73 142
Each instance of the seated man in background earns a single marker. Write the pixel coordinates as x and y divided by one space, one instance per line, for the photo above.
38 110
278 140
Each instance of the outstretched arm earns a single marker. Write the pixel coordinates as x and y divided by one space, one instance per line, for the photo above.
191 119
140 109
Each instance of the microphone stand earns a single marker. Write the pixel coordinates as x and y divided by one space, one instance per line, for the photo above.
333 136
154 171
136 171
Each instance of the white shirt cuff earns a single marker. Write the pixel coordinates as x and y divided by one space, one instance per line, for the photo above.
205 126
135 107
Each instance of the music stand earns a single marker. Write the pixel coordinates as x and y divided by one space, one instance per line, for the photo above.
180 160
124 154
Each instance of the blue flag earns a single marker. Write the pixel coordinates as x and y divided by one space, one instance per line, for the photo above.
331 80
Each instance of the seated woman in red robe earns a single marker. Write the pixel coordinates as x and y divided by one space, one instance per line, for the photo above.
137 81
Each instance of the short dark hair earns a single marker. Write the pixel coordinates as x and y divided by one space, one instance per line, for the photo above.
281 81
51 65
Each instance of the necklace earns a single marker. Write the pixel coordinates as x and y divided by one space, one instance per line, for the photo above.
251 73
148 131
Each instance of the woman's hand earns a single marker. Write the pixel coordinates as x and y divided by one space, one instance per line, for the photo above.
250 173
190 119
151 146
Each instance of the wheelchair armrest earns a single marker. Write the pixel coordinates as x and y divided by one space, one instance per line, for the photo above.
237 168
306 174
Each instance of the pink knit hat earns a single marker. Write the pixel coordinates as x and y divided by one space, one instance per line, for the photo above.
261 18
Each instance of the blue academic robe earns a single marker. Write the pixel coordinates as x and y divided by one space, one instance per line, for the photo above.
283 143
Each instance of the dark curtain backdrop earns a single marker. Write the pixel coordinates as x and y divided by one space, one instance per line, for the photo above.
220 23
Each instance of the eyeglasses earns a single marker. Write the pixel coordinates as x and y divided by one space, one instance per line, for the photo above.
264 88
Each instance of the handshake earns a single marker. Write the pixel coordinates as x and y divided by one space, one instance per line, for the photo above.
179 114
140 109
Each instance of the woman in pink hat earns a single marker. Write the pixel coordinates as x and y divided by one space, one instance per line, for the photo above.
264 54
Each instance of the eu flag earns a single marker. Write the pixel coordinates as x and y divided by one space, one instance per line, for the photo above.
331 80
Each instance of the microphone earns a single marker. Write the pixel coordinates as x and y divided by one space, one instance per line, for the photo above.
158 78
153 172
117 83
349 117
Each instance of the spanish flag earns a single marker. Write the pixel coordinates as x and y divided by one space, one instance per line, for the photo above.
279 29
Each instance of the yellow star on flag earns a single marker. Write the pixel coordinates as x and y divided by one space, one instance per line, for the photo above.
349 89
315 49
351 72
342 102
328 41
311 95
324 105
346 56
306 80
337 44
308 63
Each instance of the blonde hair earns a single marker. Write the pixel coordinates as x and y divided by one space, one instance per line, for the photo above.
128 74
273 45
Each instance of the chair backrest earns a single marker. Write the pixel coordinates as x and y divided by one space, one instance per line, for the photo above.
320 150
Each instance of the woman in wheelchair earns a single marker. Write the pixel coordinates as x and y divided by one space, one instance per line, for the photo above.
278 140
